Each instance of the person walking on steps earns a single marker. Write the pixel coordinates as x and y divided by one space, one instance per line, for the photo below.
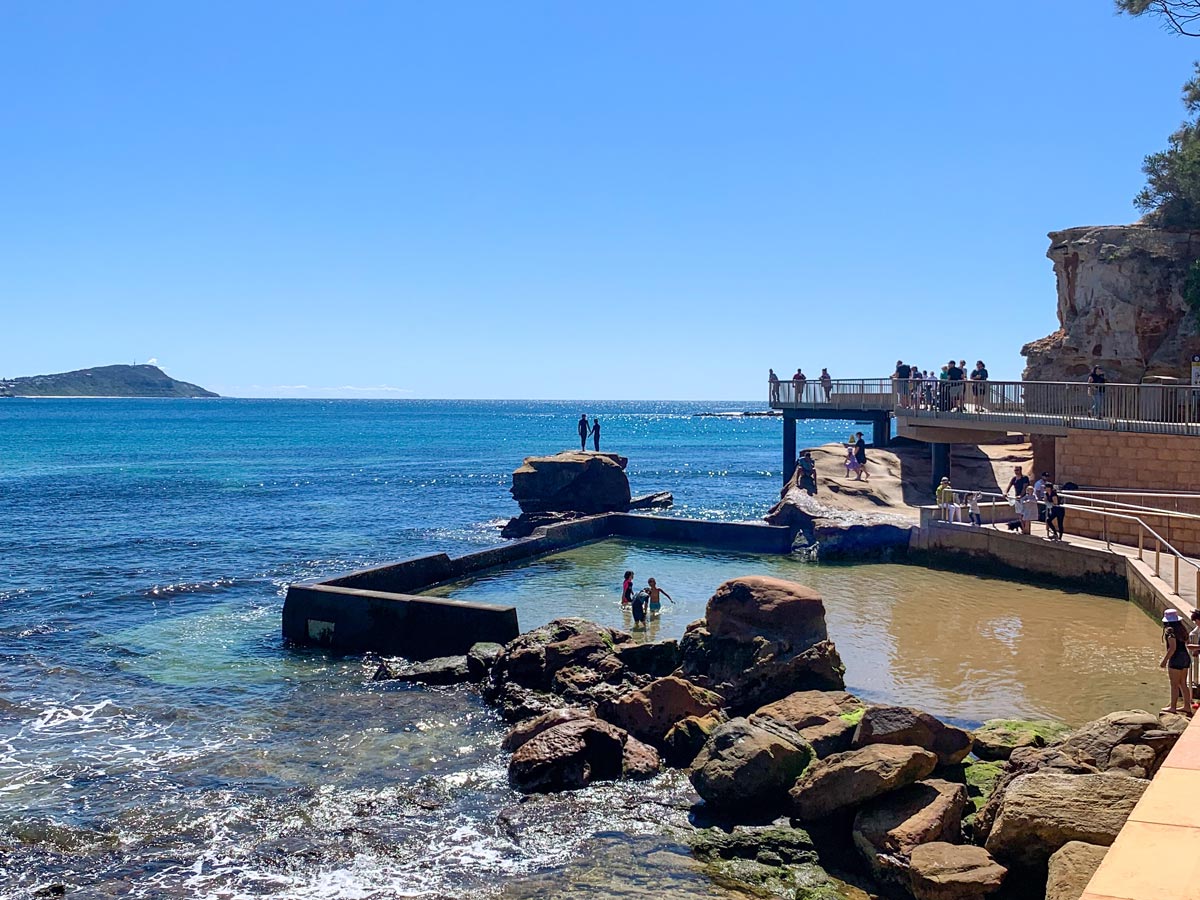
584 430
596 434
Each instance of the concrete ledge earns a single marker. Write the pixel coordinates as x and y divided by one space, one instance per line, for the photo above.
746 537
351 620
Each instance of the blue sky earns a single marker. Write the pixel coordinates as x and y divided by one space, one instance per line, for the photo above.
556 200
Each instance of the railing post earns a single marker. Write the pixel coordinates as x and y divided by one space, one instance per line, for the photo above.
1157 548
1104 519
1176 574
1142 540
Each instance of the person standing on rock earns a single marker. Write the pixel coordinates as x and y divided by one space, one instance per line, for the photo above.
860 456
808 473
1176 661
584 430
596 433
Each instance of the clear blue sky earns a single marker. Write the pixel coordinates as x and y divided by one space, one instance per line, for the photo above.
556 200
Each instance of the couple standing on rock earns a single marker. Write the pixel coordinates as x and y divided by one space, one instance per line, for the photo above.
651 594
584 431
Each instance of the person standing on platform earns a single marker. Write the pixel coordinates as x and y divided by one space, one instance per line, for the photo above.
826 384
1177 661
596 433
900 380
798 382
773 380
584 431
1017 483
1096 381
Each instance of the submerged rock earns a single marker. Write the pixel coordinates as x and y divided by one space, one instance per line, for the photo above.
945 871
780 839
745 767
852 778
996 739
443 670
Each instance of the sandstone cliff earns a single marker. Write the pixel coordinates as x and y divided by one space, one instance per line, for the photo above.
1120 305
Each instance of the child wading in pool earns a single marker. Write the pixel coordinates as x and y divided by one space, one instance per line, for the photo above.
656 594
627 589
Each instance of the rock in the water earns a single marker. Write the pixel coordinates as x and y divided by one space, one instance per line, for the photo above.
573 480
568 756
442 670
687 738
1122 304
653 658
639 760
743 766
870 540
825 719
760 606
853 778
789 844
1041 812
522 732
945 871
527 523
888 828
481 657
910 727
762 639
1071 868
649 713
997 738
658 500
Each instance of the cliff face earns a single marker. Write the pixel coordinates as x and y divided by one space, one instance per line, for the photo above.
1120 305
104 381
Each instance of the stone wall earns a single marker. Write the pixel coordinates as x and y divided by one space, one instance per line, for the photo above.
1120 305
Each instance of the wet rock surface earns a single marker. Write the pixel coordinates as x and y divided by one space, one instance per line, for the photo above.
849 779
442 670
910 727
650 712
743 766
996 739
887 830
945 871
568 756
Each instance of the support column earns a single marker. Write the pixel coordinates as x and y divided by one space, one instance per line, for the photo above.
881 430
789 446
941 463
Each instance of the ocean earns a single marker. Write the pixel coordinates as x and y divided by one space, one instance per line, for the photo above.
157 739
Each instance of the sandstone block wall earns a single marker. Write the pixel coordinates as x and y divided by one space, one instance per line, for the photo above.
1119 461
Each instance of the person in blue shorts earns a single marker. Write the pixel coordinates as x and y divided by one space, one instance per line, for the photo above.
656 594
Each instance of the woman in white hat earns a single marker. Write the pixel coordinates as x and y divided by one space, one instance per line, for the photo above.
1176 661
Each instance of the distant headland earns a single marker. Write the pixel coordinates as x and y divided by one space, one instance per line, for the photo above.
103 381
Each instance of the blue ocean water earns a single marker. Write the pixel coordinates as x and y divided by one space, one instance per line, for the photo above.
156 737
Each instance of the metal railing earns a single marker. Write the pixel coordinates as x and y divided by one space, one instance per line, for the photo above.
1145 532
1016 405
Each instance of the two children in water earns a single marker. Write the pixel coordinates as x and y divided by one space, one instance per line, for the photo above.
651 595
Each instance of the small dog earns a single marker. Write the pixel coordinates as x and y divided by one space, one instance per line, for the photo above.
1014 525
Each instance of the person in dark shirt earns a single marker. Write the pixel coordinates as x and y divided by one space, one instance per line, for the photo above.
954 377
596 434
900 379
1017 483
583 431
1096 382
979 377
860 454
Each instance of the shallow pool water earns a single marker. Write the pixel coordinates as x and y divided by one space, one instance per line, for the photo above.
960 646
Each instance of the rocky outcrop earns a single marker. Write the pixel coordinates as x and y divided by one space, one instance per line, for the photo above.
887 830
442 670
746 767
911 727
1121 305
571 754
1071 868
996 739
688 736
1041 812
943 871
649 713
572 480
761 639
825 720
849 779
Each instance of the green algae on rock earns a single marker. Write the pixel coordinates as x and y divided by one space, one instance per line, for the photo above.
997 738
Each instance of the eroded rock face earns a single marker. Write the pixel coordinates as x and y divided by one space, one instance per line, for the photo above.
761 639
1120 305
649 713
944 871
1040 813
568 756
572 481
1071 868
745 767
906 726
825 719
888 829
688 736
857 776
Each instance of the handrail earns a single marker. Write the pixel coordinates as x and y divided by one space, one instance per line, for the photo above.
1153 510
1160 541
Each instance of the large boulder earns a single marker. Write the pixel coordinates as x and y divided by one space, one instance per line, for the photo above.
687 737
761 639
1071 868
650 712
572 480
745 767
888 828
996 739
523 732
945 871
825 719
910 727
852 778
1039 813
653 658
569 756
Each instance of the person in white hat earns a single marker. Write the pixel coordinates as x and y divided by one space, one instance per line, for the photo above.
1176 661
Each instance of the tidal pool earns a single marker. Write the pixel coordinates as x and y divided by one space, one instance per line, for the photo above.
964 647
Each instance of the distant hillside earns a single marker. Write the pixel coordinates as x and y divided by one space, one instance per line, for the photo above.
104 381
